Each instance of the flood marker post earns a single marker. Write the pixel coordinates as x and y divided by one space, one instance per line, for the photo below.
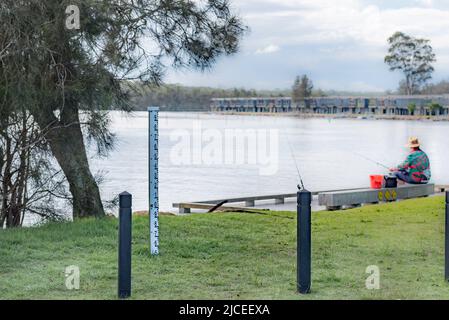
124 247
153 149
303 241
446 240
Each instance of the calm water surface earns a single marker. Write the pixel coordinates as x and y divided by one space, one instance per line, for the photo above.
325 151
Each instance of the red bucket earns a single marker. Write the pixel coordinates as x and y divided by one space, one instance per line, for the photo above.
376 181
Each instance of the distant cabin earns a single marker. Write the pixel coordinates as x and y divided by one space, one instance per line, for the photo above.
432 105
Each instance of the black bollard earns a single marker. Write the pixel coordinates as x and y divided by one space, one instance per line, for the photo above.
303 239
446 240
124 246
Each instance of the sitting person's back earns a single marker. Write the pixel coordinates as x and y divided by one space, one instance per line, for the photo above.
416 168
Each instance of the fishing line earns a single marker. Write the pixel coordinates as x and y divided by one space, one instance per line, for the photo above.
371 160
301 185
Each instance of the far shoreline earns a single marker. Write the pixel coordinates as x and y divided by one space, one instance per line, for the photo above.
334 116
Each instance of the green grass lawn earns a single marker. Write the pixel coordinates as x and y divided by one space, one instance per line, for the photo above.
237 256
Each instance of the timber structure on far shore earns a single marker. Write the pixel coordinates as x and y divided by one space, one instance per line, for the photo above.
419 105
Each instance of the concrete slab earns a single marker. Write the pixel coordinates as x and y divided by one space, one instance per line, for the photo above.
350 198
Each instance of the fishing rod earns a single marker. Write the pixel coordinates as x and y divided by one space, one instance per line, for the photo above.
371 160
301 183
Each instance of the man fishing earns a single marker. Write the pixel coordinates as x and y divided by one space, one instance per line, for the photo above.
416 167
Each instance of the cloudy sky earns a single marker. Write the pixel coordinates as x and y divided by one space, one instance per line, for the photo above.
339 44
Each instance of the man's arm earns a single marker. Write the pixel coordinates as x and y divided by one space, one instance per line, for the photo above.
406 164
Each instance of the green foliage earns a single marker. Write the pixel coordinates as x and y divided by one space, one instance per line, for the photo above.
85 69
302 88
438 88
29 181
441 87
411 108
413 57
173 97
54 73
176 97
237 256
435 107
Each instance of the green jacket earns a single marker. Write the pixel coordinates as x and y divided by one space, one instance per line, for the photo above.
417 165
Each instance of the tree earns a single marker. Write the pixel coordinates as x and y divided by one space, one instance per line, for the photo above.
302 88
438 88
71 77
412 56
404 90
28 181
411 108
435 108
319 93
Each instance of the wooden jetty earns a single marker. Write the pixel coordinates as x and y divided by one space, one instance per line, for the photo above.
331 199
185 207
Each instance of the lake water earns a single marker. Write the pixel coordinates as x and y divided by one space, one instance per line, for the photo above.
198 160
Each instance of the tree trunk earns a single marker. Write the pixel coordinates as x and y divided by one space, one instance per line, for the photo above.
68 148
67 145
409 86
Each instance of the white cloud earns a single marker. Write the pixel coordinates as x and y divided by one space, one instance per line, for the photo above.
268 49
361 86
349 28
341 44
325 21
426 3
